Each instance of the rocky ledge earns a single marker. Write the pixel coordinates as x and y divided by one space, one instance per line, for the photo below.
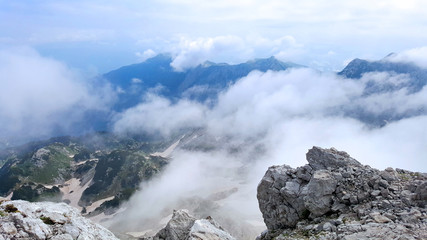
183 226
46 220
336 197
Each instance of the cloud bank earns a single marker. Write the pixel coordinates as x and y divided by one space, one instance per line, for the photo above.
41 96
267 119
158 115
190 52
416 56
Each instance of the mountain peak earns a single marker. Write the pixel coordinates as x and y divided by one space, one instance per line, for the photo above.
271 63
162 57
264 60
356 68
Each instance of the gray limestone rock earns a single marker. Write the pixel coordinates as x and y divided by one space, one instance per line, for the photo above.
183 226
421 192
319 158
178 227
208 229
319 193
45 220
336 197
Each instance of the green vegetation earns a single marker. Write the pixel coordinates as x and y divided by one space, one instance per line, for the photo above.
43 164
82 155
58 165
117 164
47 220
114 203
121 171
36 192
305 233
10 208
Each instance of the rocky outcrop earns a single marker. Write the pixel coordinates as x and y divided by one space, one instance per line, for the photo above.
45 220
336 197
183 226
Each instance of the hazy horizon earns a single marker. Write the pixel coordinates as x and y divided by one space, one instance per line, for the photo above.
50 51
98 36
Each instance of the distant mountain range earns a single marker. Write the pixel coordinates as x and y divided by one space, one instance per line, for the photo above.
110 168
204 82
416 80
200 83
356 68
207 80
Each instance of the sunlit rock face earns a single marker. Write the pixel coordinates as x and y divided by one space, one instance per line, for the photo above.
46 220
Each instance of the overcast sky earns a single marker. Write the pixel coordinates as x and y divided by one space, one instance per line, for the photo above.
98 36
47 48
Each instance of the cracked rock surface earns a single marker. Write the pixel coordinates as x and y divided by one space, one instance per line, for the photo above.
46 220
336 197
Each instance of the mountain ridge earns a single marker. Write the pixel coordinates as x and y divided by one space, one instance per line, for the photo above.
358 67
209 78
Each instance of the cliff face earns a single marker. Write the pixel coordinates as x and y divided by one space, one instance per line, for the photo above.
336 197
46 220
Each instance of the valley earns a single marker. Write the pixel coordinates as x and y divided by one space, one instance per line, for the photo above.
198 152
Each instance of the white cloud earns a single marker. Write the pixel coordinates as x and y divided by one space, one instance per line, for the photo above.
275 96
385 78
268 119
232 49
191 53
149 53
136 81
40 94
396 103
320 26
263 102
417 56
159 116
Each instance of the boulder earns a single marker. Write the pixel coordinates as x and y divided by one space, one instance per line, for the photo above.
178 227
336 197
318 198
319 158
46 220
183 226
